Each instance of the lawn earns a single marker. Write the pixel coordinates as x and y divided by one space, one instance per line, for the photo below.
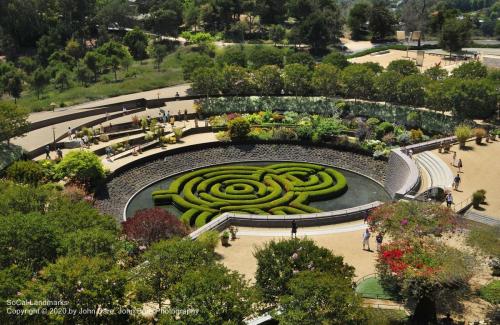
371 288
485 238
147 78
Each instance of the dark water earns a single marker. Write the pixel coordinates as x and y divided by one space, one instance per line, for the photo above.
361 190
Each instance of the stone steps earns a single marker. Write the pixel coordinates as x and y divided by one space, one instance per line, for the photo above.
481 218
438 172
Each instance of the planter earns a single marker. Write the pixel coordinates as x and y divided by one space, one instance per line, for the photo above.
224 241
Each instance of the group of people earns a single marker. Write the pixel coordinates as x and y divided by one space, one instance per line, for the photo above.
59 153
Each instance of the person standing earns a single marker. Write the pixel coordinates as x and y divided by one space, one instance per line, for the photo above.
453 161
456 182
449 200
294 229
460 165
379 239
47 152
70 133
366 239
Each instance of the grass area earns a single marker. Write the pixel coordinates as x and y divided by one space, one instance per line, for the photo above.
147 78
491 292
371 288
485 238
386 317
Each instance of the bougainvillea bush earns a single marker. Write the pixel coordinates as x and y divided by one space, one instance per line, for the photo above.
420 268
413 219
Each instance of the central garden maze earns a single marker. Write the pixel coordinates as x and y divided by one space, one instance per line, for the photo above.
279 189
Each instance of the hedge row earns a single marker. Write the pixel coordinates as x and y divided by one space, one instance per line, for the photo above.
283 188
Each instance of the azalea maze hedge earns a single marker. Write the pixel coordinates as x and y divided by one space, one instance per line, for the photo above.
279 189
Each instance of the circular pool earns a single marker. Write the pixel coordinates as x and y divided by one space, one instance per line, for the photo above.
257 187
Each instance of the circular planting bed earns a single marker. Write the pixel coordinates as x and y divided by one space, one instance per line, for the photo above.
200 183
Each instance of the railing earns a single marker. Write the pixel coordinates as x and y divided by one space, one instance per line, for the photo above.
461 206
311 219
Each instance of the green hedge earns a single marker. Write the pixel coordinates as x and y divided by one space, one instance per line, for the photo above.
282 188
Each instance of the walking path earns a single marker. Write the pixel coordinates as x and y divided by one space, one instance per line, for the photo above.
342 239
480 171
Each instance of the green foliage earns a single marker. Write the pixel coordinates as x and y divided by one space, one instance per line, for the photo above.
26 172
478 197
455 34
167 262
358 16
325 79
320 298
358 81
385 85
463 133
193 61
81 167
491 292
17 198
296 79
83 282
279 261
403 67
219 296
13 121
381 20
91 242
238 128
337 59
411 90
12 281
137 42
383 129
206 81
470 70
209 239
264 55
330 126
486 239
28 241
232 55
268 80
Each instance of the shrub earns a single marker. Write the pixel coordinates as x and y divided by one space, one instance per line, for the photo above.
372 122
223 136
135 120
416 135
463 133
491 292
383 128
238 127
178 133
479 133
478 197
74 192
104 137
151 225
26 172
82 167
286 134
209 239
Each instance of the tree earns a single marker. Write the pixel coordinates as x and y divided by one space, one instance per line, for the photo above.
151 225
191 14
436 73
303 58
235 80
193 61
164 21
137 42
268 80
218 295
381 20
27 64
12 281
278 261
14 84
73 49
473 99
337 59
83 73
322 28
91 242
206 81
296 79
470 70
112 13
83 167
13 121
411 90
94 61
167 261
358 81
62 78
39 81
277 33
28 241
358 17
403 67
385 86
455 34
320 298
233 55
325 79
259 56
158 52
84 283
114 63
26 172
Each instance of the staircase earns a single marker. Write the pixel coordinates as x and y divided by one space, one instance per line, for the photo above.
438 174
481 218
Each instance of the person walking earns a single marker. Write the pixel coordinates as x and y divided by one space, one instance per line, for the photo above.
108 152
456 182
70 133
460 165
185 114
449 200
366 239
47 152
453 161
379 239
59 153
294 229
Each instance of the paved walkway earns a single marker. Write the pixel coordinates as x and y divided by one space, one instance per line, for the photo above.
480 171
346 242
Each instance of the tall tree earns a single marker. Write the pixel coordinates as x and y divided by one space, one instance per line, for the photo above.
39 80
455 34
13 121
381 22
137 42
158 52
357 20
